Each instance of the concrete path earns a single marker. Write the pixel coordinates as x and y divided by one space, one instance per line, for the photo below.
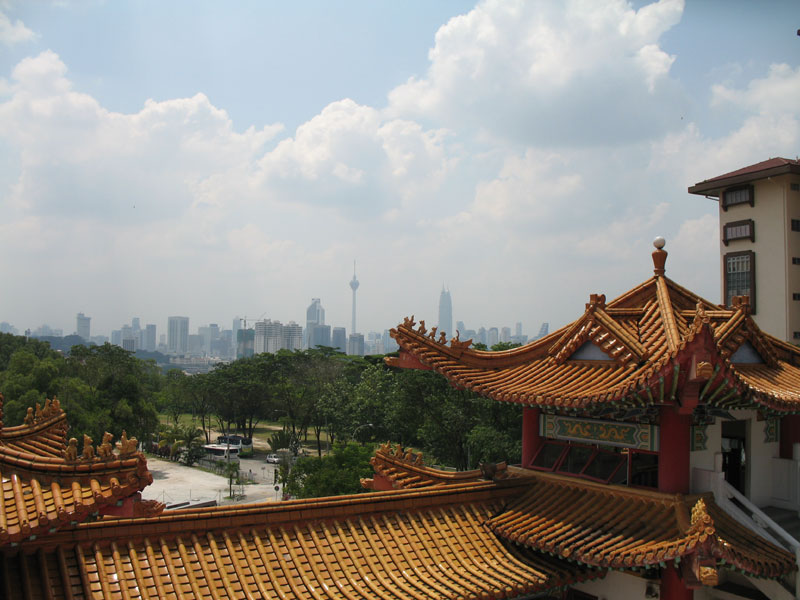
174 482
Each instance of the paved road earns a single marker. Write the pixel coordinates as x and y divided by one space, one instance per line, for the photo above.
174 482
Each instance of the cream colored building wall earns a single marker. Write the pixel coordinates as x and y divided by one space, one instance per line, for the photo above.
758 484
615 586
775 244
769 217
793 250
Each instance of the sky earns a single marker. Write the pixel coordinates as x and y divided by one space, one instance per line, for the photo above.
216 160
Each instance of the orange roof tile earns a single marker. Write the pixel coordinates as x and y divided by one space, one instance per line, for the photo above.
658 337
398 544
405 469
612 526
45 485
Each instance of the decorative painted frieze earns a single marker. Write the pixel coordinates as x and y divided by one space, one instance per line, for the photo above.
641 436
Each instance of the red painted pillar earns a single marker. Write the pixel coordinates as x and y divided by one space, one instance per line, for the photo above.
672 586
531 440
673 456
790 434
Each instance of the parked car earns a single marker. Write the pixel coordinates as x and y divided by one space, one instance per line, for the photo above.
273 459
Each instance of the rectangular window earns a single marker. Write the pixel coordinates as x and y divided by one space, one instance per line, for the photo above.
738 230
795 187
796 335
739 195
796 260
795 224
740 277
795 296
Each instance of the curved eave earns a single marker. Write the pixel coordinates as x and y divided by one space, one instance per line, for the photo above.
578 385
615 527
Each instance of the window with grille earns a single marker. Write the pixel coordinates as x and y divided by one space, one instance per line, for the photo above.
739 195
738 230
740 277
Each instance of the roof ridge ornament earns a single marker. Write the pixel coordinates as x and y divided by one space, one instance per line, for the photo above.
659 256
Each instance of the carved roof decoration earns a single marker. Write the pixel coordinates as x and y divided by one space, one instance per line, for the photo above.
405 469
614 527
44 431
667 344
396 544
47 485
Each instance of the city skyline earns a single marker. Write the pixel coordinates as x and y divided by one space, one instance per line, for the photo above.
215 161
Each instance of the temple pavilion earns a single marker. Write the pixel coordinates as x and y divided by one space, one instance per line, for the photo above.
651 443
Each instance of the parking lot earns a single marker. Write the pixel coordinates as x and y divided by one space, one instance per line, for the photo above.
174 483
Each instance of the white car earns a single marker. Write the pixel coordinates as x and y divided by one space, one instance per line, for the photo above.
273 458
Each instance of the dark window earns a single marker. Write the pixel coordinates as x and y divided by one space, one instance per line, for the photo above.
576 595
738 230
644 469
739 195
796 260
796 335
605 465
548 456
795 224
795 187
740 277
576 460
795 296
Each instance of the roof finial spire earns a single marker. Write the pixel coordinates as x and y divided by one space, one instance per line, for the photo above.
659 256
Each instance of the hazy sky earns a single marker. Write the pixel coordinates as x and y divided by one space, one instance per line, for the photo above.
219 159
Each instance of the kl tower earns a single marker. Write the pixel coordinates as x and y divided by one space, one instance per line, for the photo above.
354 287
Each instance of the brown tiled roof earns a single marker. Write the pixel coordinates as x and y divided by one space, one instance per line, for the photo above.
398 544
45 437
659 339
616 527
43 487
406 470
761 170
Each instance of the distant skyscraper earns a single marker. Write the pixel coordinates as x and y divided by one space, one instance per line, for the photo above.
178 335
339 339
150 337
505 334
355 344
83 326
445 312
354 287
493 337
293 336
460 327
315 316
543 330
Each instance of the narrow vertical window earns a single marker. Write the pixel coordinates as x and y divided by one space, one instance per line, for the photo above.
740 277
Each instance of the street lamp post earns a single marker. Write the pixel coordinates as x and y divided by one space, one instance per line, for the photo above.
359 427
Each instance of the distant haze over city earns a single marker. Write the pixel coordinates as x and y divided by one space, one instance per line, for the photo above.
215 161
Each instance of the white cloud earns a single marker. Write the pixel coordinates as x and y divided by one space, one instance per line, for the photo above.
545 72
14 33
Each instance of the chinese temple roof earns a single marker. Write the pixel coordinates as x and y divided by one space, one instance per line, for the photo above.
658 343
616 527
46 485
762 170
396 544
404 469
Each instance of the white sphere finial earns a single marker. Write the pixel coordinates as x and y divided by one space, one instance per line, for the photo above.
659 242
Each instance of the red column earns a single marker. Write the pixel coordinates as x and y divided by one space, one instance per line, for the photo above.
531 440
790 434
673 456
672 586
